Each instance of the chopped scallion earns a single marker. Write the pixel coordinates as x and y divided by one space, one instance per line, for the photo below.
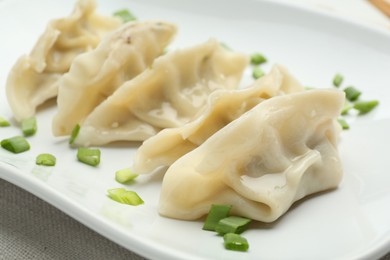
4 122
224 45
235 242
74 134
365 106
125 175
258 58
29 126
232 224
124 196
16 144
88 156
46 159
337 80
352 94
257 72
216 213
125 15
343 123
347 106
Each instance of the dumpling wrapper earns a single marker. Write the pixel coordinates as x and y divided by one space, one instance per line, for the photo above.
95 75
223 107
34 78
282 150
171 93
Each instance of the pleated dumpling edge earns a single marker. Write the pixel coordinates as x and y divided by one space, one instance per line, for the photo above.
34 78
173 92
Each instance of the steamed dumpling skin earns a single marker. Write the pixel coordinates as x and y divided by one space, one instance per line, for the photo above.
223 107
95 75
171 93
34 78
280 151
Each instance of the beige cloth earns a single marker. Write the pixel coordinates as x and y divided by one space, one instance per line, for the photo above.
32 229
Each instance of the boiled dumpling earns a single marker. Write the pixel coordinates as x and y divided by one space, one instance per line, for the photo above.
95 75
34 78
223 107
280 151
171 93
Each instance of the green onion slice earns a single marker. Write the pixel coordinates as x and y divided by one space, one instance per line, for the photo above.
125 175
16 144
232 224
343 123
235 242
216 213
46 159
337 80
29 126
258 58
74 134
88 156
125 15
124 196
224 45
352 94
4 122
365 106
346 108
257 73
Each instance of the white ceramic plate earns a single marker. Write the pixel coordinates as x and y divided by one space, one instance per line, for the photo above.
347 223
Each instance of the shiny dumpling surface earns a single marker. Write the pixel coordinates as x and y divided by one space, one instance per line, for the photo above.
34 77
280 151
95 75
171 93
223 107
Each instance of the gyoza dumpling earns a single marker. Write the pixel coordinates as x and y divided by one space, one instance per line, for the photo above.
170 94
95 75
280 151
223 107
34 78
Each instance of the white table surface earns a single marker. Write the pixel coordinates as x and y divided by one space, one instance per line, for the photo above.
32 229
